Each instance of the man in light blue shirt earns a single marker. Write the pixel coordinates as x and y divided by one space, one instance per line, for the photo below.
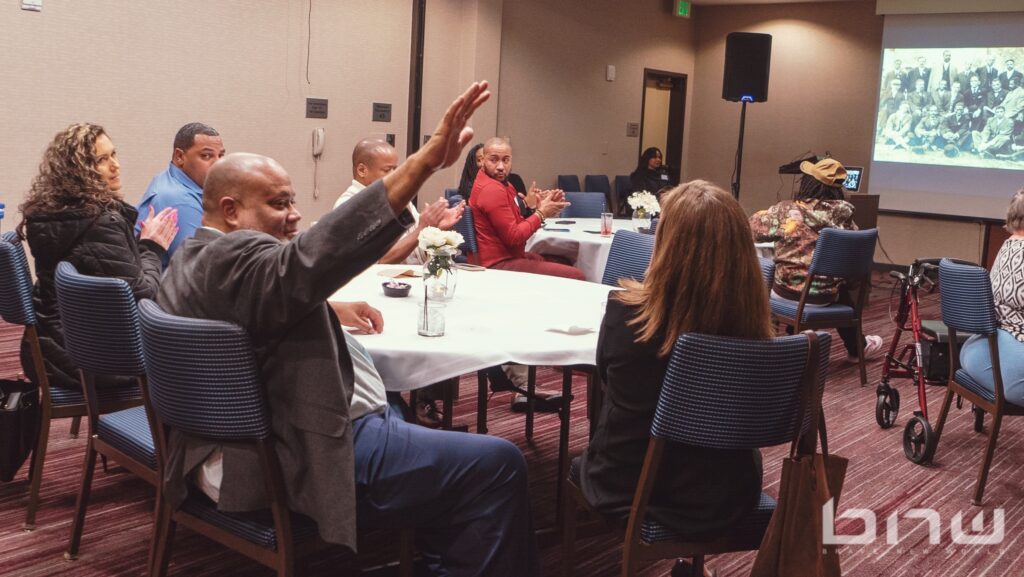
196 147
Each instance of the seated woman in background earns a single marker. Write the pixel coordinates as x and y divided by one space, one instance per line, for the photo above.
1008 293
794 227
687 289
650 174
74 212
474 160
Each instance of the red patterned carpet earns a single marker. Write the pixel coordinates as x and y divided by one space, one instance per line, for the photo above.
879 479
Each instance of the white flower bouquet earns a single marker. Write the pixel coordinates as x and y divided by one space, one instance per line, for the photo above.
440 242
645 203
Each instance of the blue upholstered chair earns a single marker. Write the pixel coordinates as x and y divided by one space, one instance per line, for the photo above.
653 230
600 183
450 192
203 382
720 393
623 188
767 270
628 257
841 254
54 402
968 306
101 335
584 205
467 229
569 182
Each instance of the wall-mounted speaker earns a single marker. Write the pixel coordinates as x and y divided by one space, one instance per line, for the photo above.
748 58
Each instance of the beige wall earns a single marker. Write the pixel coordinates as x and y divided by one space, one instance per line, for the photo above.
815 105
142 69
555 104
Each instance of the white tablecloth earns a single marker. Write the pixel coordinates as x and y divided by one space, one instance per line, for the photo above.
588 250
496 317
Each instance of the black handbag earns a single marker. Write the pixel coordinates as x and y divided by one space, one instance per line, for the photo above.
19 425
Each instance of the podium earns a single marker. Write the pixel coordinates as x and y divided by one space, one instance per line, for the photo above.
865 209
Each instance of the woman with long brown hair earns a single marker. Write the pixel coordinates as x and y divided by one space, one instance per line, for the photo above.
703 278
74 212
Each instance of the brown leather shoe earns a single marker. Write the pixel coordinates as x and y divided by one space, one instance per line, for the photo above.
427 415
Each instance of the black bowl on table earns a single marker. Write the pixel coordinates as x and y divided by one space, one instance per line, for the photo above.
396 290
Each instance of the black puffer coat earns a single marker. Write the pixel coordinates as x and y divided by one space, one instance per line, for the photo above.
103 245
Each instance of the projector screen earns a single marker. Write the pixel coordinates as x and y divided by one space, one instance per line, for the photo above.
949 128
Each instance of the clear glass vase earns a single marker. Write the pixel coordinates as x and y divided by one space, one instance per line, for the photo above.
439 276
641 220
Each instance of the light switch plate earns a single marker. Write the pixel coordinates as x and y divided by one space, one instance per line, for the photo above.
33 5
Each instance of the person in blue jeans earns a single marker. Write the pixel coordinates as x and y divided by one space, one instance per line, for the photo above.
1008 293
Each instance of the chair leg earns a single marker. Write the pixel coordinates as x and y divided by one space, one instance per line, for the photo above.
78 523
943 413
405 553
163 539
36 473
568 531
531 389
76 422
861 361
481 402
990 450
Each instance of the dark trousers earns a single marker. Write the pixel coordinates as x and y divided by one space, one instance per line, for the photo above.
466 495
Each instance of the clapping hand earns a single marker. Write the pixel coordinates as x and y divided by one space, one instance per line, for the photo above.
160 228
440 215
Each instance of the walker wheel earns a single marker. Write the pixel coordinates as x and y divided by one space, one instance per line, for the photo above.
979 418
919 440
887 405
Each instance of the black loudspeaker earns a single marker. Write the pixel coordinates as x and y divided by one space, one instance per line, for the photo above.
748 57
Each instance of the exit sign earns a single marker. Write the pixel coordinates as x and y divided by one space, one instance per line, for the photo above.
682 9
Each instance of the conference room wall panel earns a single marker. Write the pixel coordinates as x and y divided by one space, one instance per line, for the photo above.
555 104
142 69
823 91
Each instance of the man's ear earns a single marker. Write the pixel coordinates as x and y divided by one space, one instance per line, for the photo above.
178 158
229 211
361 170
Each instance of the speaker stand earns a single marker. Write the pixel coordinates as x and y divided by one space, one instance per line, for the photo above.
738 168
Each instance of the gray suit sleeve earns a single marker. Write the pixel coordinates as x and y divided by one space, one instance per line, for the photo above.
277 283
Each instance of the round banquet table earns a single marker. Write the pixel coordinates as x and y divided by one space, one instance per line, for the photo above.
496 317
581 243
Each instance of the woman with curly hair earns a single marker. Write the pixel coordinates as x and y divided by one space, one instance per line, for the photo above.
74 212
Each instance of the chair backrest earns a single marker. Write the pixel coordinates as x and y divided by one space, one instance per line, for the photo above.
15 283
966 298
623 185
767 270
844 253
596 183
653 229
569 182
467 229
100 321
584 205
731 393
450 192
628 257
202 376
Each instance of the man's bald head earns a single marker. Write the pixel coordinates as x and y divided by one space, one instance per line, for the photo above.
250 191
497 158
372 159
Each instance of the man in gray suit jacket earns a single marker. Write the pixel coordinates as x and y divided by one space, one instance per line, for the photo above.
345 456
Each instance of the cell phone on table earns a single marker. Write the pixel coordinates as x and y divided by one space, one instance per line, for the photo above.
557 230
565 222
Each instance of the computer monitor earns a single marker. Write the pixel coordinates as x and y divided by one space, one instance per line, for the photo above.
853 176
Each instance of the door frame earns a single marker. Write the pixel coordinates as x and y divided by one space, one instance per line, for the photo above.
676 119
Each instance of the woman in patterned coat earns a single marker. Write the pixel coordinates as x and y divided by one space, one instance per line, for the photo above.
1008 291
